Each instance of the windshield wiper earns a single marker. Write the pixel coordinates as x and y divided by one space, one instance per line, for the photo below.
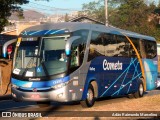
30 64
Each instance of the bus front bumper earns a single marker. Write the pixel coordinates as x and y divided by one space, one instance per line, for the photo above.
59 95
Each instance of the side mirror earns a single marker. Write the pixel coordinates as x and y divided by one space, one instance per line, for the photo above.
69 43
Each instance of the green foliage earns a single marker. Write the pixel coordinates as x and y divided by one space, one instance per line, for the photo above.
7 7
95 10
133 15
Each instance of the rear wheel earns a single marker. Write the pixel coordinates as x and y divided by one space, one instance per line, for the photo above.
140 91
90 100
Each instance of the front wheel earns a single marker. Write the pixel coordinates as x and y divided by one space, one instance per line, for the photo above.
140 91
90 100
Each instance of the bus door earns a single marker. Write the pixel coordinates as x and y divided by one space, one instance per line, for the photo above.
75 49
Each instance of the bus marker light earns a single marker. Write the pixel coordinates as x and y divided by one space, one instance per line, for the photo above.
70 90
75 83
81 89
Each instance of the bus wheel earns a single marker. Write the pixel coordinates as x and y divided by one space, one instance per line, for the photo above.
89 102
140 91
43 104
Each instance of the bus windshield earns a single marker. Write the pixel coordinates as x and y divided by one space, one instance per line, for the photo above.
38 57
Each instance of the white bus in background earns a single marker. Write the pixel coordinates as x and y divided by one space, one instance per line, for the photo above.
158 51
158 54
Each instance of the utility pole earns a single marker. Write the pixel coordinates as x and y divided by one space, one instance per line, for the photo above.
106 12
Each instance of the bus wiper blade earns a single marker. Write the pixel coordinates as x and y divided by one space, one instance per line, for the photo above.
30 64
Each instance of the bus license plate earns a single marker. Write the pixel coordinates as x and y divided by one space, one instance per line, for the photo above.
35 96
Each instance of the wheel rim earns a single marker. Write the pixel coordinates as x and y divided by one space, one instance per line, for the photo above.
141 89
90 96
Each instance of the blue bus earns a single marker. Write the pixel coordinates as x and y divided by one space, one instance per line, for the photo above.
72 61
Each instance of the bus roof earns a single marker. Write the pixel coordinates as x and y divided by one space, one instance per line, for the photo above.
51 28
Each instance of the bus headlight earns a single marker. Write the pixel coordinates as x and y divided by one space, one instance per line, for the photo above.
58 86
15 86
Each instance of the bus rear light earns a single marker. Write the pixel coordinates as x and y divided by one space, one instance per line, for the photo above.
115 86
106 87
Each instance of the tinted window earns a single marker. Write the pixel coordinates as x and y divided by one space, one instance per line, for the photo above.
96 45
132 52
110 45
77 53
150 49
123 46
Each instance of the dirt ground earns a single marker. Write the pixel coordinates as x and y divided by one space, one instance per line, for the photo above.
5 71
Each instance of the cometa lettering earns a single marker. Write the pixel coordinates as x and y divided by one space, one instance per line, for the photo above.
111 65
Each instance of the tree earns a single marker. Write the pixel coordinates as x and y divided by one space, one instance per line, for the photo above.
95 10
133 15
7 7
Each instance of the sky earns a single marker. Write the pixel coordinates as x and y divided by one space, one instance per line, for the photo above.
58 6
55 6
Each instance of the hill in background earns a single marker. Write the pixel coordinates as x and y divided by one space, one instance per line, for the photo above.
29 15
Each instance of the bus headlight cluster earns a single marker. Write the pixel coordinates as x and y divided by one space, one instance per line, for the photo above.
15 86
58 86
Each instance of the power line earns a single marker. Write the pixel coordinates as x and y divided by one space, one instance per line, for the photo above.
56 7
38 8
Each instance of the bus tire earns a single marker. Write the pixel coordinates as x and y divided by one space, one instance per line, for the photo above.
140 91
90 100
43 104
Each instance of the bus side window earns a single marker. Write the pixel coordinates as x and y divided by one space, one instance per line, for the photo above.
132 52
123 46
77 54
96 47
142 48
150 49
110 45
